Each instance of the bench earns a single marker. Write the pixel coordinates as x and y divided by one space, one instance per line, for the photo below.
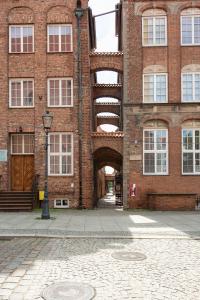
172 201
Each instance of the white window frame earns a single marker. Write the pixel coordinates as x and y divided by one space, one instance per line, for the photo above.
60 25
193 86
21 80
60 89
62 205
23 153
60 153
193 151
191 16
21 38
156 74
156 152
154 36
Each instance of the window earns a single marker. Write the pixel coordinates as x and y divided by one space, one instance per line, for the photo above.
22 144
190 27
21 93
21 39
60 92
155 152
155 88
191 87
191 151
60 154
59 38
61 203
154 30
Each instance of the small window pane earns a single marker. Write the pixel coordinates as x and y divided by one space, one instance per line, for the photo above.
161 140
187 139
53 38
65 38
197 162
161 163
17 144
197 30
54 164
159 31
186 30
28 93
149 163
187 162
28 144
149 140
161 88
27 39
16 93
197 87
16 39
148 31
197 139
187 85
148 88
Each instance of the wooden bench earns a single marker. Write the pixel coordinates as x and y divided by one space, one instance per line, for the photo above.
172 201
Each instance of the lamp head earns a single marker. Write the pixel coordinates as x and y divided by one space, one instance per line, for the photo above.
47 118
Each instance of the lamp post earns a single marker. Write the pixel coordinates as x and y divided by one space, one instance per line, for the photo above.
79 12
47 118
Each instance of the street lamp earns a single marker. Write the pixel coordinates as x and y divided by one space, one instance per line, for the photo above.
47 118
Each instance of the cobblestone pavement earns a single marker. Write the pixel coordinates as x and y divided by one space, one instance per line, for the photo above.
171 270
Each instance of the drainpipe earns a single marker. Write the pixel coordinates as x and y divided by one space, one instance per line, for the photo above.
79 11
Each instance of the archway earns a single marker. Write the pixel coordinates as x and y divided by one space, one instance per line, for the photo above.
104 183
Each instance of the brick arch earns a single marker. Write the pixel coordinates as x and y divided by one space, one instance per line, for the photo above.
143 7
190 118
21 15
59 14
155 69
191 68
185 6
106 62
106 156
165 120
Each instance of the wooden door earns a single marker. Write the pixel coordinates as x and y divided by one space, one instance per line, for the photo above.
22 172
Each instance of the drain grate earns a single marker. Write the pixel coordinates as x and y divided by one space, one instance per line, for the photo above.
129 256
68 291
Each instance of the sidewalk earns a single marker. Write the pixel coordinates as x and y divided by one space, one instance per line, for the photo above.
102 223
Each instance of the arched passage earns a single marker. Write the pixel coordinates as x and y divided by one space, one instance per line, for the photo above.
104 157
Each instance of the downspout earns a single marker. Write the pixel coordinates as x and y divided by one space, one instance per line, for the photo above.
79 11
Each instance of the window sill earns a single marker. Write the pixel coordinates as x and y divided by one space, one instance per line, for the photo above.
21 107
21 53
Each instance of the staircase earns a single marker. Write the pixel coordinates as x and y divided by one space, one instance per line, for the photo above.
16 201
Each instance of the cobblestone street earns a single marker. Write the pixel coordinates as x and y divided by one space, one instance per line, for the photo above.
171 270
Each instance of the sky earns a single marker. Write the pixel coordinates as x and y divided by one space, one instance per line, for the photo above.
105 25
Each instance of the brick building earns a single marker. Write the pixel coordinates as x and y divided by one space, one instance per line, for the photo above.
48 62
161 95
40 69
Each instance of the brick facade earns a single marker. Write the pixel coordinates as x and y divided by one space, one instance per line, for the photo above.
137 61
100 149
41 65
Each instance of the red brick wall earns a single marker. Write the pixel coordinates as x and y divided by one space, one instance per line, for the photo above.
173 58
41 65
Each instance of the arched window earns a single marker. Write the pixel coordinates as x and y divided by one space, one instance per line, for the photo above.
155 148
155 84
190 82
191 147
154 28
190 27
